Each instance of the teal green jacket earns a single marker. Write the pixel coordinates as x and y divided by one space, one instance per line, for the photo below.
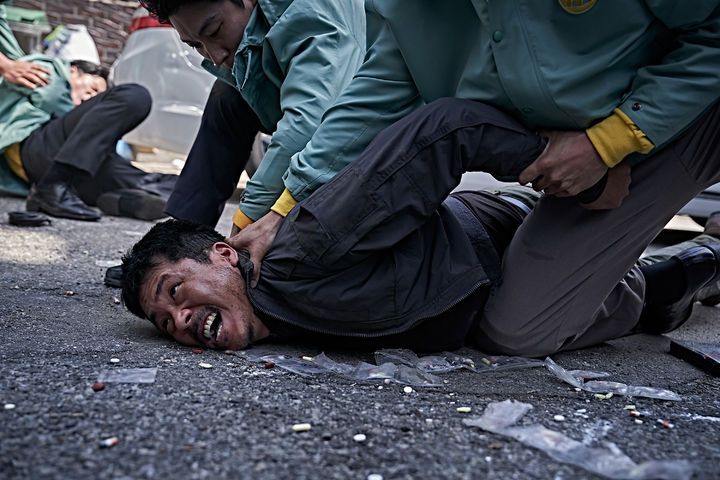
295 58
561 64
22 110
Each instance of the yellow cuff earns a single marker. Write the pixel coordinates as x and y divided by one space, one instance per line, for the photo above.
12 156
616 137
240 219
284 204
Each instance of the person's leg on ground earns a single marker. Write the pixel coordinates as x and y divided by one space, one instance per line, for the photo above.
560 285
72 148
217 158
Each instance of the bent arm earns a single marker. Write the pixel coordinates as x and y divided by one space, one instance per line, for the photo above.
9 46
401 179
666 98
381 93
322 60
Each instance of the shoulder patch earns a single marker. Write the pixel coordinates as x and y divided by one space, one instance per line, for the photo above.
576 7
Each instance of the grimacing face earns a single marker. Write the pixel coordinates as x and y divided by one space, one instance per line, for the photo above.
84 86
202 304
214 29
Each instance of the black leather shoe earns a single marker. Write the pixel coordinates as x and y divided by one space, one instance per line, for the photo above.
59 200
133 203
702 266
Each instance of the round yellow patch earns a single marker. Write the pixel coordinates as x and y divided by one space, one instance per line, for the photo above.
576 7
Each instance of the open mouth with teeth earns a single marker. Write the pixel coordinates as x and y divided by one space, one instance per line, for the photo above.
212 326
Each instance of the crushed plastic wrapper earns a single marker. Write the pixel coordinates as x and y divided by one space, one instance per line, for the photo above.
128 375
393 365
322 364
604 386
609 462
448 361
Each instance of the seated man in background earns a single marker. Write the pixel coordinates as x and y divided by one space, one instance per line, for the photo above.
380 256
280 65
59 126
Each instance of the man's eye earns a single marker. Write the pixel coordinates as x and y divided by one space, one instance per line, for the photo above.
173 290
165 324
216 32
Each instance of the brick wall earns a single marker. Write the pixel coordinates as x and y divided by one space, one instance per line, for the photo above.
107 21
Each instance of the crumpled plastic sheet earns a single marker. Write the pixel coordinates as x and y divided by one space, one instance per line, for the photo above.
322 364
395 365
609 462
604 386
448 361
128 375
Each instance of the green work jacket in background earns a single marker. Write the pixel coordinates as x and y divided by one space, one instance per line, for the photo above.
554 63
295 58
22 110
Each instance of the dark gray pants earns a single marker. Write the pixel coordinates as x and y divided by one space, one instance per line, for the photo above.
569 278
85 138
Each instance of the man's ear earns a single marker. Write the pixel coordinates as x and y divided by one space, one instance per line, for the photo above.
73 69
226 252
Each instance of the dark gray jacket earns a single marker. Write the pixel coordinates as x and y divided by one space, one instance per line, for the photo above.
375 252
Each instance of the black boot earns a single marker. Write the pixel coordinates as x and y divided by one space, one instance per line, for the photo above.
702 267
59 200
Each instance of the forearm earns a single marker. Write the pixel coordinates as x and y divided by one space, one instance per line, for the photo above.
406 173
665 98
5 63
381 93
9 46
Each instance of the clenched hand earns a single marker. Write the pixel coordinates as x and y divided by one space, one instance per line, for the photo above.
256 239
569 165
616 189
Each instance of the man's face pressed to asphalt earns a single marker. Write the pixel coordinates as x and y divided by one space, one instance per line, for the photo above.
214 29
202 304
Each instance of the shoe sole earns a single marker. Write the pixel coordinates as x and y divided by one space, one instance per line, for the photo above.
132 203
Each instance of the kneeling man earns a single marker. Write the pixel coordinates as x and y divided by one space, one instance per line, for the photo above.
381 256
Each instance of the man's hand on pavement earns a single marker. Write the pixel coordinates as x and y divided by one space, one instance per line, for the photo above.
26 74
569 165
256 239
616 189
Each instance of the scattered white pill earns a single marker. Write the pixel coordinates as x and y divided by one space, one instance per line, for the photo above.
301 427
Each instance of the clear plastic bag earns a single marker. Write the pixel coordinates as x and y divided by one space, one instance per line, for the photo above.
609 462
128 375
604 386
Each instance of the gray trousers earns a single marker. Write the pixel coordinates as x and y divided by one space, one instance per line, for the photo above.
569 278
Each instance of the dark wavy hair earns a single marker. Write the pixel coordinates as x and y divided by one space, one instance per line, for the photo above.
162 9
91 68
170 241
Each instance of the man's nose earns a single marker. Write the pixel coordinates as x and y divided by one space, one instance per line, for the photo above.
182 318
217 55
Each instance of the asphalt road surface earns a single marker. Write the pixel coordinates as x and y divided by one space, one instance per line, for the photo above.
61 328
